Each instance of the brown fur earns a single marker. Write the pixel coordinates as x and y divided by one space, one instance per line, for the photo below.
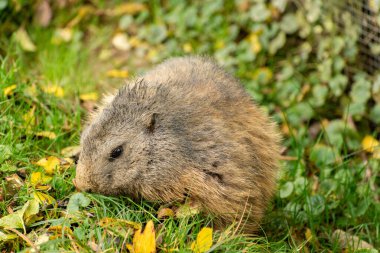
188 129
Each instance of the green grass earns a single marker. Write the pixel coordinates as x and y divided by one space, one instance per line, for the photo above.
328 184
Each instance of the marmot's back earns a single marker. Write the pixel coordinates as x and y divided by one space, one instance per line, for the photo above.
190 130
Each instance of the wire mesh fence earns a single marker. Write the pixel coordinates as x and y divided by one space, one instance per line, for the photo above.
365 17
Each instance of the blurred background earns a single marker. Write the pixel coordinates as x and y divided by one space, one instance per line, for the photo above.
312 64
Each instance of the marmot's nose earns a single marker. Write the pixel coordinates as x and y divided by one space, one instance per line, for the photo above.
80 187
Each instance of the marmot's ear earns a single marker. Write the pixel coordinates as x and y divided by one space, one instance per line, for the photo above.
151 126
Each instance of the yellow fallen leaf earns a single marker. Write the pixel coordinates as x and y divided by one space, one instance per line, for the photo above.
71 151
29 117
121 42
106 222
66 163
43 198
58 229
62 35
263 75
92 96
152 54
50 164
254 42
31 90
9 90
308 234
82 12
165 212
47 134
219 44
145 242
187 47
37 178
374 5
134 41
53 89
203 242
118 73
187 210
128 8
24 40
371 145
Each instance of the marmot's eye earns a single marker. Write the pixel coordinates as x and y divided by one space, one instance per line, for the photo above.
116 153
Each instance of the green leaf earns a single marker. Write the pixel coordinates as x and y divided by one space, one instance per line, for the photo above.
259 12
300 185
6 237
320 93
289 23
280 4
22 37
76 201
375 114
3 4
315 205
323 155
286 190
5 152
337 84
13 220
277 43
16 219
361 89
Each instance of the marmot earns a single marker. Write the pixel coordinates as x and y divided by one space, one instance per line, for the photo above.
185 129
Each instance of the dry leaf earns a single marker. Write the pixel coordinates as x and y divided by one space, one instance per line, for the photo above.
128 8
23 39
46 134
348 241
82 12
92 96
53 89
203 242
62 35
71 151
188 209
11 186
15 181
41 239
9 90
120 42
43 13
165 212
94 246
31 90
118 73
145 242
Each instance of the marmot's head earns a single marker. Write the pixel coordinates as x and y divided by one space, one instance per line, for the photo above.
126 150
